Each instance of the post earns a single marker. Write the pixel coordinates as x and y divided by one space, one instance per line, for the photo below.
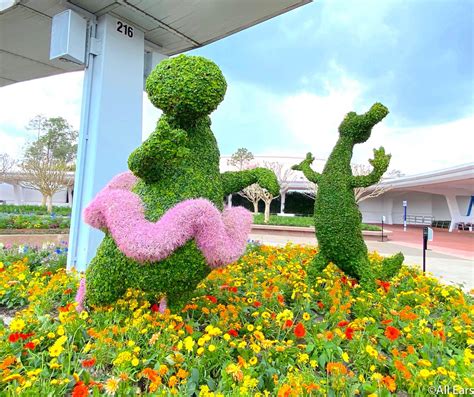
405 204
111 122
425 246
383 220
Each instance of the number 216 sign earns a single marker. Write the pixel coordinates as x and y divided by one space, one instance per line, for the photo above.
125 29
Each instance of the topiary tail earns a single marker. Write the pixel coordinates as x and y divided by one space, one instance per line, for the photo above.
391 266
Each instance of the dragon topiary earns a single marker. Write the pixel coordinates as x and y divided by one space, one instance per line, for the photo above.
163 222
337 217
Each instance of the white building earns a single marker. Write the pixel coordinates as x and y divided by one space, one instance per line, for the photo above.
444 195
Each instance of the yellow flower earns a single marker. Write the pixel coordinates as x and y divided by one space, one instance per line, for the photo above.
212 348
200 351
306 316
253 360
424 373
21 277
345 357
83 315
371 351
55 350
111 385
303 358
60 330
135 361
250 327
189 343
17 325
442 371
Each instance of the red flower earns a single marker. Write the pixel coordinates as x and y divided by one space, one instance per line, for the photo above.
213 299
344 279
392 333
68 291
342 323
385 322
88 363
281 299
233 333
80 390
14 337
29 345
288 324
384 284
321 305
299 330
349 332
257 304
155 308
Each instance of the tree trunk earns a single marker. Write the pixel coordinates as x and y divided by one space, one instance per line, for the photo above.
267 212
229 201
255 207
43 200
50 204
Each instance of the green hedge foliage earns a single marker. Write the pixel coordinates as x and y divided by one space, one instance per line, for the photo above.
179 161
336 215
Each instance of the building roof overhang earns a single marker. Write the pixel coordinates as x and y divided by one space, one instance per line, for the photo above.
170 27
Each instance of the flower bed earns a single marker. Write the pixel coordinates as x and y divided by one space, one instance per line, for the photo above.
254 328
9 221
33 209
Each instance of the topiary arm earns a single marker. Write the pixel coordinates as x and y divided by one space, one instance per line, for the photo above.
235 181
380 163
305 167
163 149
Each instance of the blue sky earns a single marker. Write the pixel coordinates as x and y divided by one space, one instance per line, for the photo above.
292 79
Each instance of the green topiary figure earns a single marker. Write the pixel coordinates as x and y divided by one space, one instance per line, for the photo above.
336 215
175 179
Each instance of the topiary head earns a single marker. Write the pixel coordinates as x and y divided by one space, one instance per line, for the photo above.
359 127
186 87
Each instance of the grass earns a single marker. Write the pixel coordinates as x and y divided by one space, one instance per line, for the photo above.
301 221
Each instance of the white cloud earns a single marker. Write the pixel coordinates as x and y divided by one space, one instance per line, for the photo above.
51 96
251 115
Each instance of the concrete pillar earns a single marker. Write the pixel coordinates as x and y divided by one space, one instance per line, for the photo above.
69 195
111 123
18 192
282 202
388 209
453 211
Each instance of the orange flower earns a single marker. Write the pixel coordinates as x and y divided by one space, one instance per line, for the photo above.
336 368
329 335
80 390
399 365
392 333
389 383
299 330
285 391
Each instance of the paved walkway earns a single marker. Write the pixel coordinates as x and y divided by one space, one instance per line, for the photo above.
450 256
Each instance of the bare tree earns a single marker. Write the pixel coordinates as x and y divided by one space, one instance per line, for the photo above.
6 164
48 176
363 193
241 159
284 176
252 193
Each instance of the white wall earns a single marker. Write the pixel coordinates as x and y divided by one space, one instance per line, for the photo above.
463 204
30 196
440 208
390 205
